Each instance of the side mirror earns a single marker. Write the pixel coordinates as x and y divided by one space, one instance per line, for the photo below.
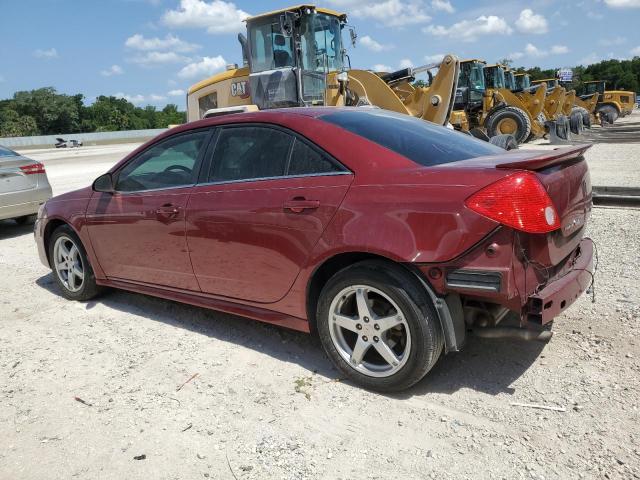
104 184
353 35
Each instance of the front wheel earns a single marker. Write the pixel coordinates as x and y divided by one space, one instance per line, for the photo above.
509 121
378 326
70 264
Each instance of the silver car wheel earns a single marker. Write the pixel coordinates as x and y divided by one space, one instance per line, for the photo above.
369 331
68 263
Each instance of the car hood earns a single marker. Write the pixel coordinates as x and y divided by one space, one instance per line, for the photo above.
83 193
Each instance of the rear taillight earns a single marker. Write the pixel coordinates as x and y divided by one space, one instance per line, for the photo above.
519 201
32 169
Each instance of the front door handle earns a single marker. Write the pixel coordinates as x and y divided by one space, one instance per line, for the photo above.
168 210
299 205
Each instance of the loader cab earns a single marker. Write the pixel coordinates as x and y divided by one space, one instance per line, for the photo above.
550 82
290 52
494 77
471 86
592 87
510 80
522 81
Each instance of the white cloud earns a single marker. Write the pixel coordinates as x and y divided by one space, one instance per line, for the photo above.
176 93
216 16
533 51
157 98
470 30
515 56
159 58
434 58
559 50
205 67
529 22
635 51
170 42
372 45
612 42
443 5
112 70
135 99
530 50
49 53
380 67
406 63
392 13
623 3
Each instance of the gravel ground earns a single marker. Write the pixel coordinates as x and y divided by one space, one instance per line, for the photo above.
87 388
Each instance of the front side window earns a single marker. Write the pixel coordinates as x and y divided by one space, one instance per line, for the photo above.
167 164
244 153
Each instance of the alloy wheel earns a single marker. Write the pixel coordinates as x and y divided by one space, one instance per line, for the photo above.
369 331
68 263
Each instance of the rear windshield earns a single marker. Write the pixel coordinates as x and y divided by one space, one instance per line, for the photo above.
423 142
5 152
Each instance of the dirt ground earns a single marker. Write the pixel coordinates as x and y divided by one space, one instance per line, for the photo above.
129 386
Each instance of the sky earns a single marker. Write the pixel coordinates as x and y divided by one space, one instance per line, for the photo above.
151 51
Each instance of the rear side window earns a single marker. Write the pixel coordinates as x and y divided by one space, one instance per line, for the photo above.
5 152
244 153
422 142
307 161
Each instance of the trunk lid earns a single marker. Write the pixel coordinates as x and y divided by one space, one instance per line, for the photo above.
12 178
564 173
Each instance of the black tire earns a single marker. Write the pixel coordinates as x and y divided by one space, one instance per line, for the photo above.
575 123
25 220
608 112
515 114
506 141
88 288
562 127
416 307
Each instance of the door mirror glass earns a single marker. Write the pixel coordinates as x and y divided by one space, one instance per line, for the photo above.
104 184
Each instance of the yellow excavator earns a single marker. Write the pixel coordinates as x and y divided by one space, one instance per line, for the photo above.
611 104
294 57
485 106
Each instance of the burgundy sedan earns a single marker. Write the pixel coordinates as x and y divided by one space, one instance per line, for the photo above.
386 235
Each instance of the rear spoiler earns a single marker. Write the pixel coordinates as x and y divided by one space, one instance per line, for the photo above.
526 161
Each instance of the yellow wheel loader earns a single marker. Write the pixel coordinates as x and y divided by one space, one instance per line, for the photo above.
558 123
611 103
294 57
484 106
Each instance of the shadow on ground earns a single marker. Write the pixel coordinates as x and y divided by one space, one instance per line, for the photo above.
485 365
10 229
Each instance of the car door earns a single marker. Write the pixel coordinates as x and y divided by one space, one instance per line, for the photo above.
138 231
263 206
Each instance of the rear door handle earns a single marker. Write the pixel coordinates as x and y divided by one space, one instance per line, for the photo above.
299 205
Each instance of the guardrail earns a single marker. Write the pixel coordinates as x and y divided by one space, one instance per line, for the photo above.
86 138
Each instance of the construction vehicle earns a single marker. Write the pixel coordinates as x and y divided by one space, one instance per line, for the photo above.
611 103
585 106
294 57
558 123
484 106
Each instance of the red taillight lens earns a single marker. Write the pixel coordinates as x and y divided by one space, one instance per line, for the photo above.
32 169
519 201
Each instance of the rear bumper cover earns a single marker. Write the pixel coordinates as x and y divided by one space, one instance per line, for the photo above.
558 295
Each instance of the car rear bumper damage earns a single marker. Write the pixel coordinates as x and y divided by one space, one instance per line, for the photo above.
543 306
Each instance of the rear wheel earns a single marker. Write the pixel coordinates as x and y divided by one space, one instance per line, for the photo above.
575 123
70 264
378 326
508 142
509 120
608 112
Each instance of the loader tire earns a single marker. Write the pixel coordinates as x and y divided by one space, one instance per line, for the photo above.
586 116
608 112
509 120
506 141
575 123
562 127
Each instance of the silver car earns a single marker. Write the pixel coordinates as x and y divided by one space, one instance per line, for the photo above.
23 186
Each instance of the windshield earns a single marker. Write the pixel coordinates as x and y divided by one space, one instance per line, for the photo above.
423 142
523 82
510 80
321 43
591 88
269 48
